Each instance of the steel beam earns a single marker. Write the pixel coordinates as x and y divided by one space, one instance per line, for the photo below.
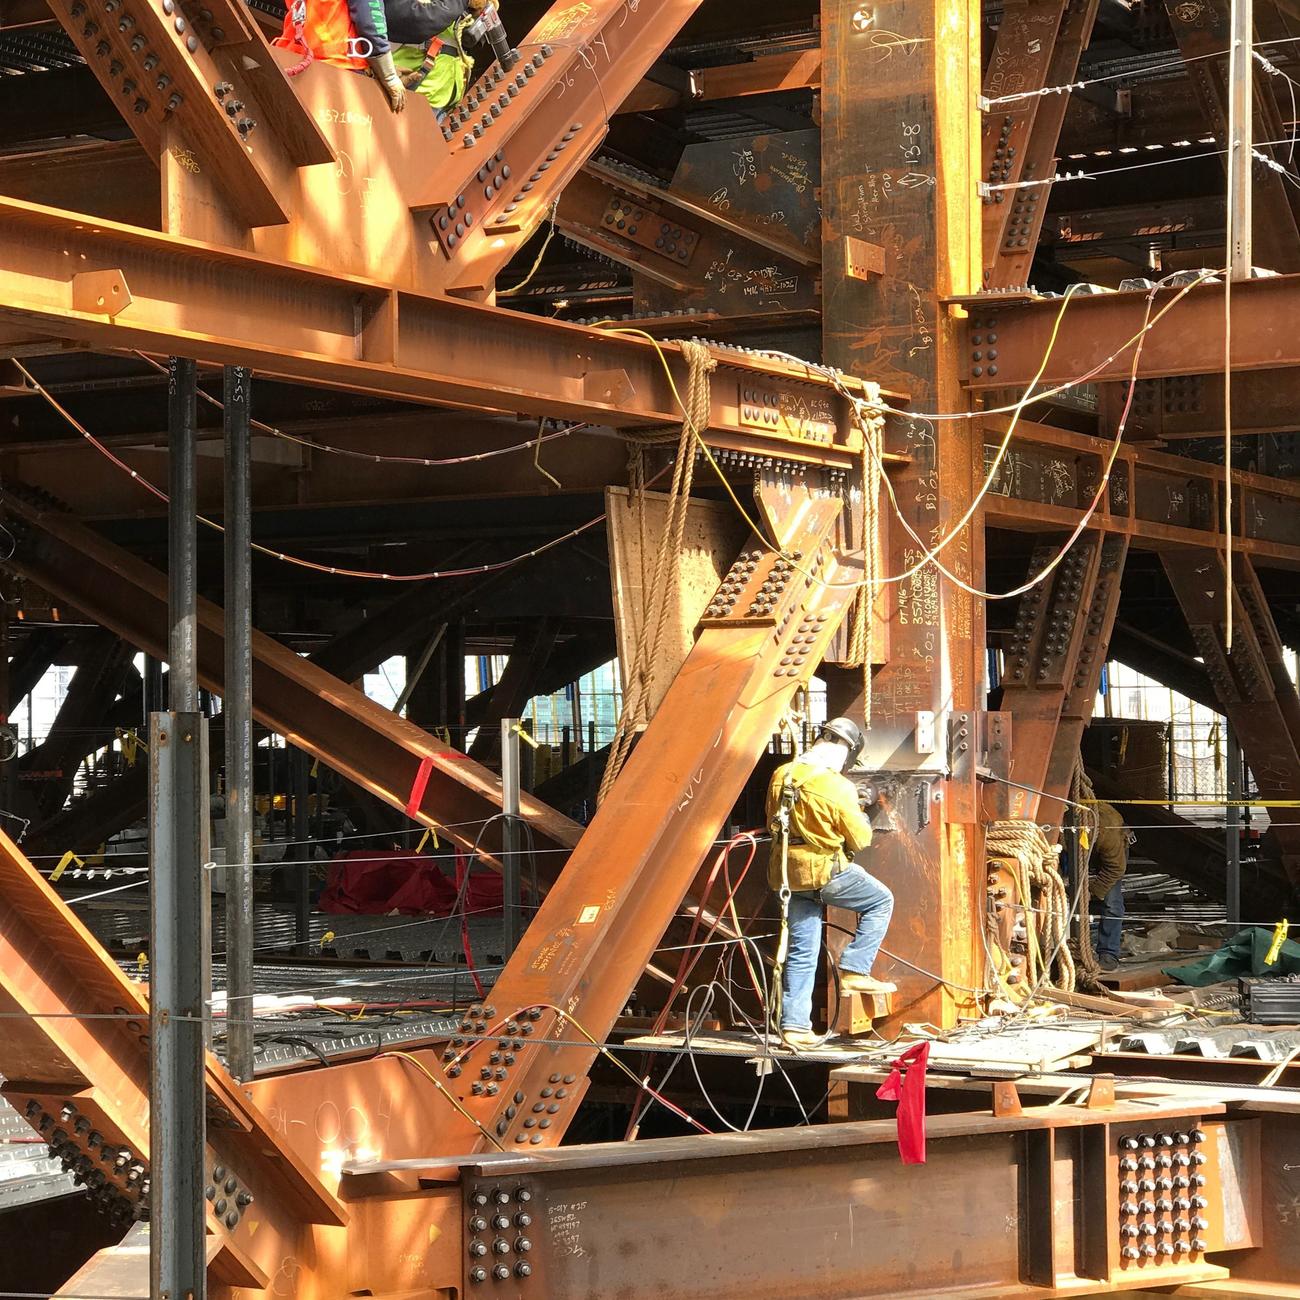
1254 688
1031 1204
1038 44
1054 664
763 75
237 717
1187 341
1161 502
691 253
292 322
313 710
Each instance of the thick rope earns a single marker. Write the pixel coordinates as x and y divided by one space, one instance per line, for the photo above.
1044 897
658 599
1089 972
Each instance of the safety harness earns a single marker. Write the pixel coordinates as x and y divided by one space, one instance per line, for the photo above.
781 830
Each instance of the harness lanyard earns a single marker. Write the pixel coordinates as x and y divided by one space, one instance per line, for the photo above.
781 828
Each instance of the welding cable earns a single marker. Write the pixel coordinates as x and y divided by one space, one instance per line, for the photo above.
437 1083
692 952
1084 519
297 561
375 457
710 995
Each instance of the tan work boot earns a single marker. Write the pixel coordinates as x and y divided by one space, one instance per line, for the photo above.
852 982
798 1040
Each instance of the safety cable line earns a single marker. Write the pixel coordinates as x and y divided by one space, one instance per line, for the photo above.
377 457
297 561
1136 74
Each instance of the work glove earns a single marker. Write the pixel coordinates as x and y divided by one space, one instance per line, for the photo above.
384 71
477 6
414 78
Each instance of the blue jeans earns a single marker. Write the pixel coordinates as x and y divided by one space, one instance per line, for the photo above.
855 890
1109 912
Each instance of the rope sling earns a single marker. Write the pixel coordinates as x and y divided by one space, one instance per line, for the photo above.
663 586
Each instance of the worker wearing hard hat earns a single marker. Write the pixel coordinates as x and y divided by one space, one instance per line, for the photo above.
817 826
1107 866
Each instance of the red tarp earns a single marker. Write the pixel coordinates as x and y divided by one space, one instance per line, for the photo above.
375 882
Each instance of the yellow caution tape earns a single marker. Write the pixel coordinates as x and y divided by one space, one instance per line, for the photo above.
428 835
1279 938
64 863
142 961
1085 840
519 729
327 937
315 768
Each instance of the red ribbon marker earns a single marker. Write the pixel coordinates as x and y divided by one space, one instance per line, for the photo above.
418 787
909 1091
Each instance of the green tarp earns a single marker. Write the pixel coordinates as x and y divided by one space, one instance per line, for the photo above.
1243 954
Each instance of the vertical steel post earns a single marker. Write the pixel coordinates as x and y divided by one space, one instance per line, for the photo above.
1236 785
179 897
513 892
237 715
299 780
182 542
1241 142
178 1004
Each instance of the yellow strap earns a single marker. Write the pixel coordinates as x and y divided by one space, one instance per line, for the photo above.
518 728
64 863
1279 938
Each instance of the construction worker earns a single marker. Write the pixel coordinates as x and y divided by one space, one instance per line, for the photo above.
1106 868
817 825
360 34
439 69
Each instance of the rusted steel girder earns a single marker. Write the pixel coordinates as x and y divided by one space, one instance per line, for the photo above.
1187 341
1038 44
1161 502
1054 665
900 145
1252 683
693 253
381 752
313 326
1030 1205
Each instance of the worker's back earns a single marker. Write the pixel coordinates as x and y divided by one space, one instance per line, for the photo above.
826 824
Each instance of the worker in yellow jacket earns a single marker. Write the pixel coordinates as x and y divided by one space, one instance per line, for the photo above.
817 826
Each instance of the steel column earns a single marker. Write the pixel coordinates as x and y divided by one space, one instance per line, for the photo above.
1241 161
900 157
178 1004
182 542
237 719
513 896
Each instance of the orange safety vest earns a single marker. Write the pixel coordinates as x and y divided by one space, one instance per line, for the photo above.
322 29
